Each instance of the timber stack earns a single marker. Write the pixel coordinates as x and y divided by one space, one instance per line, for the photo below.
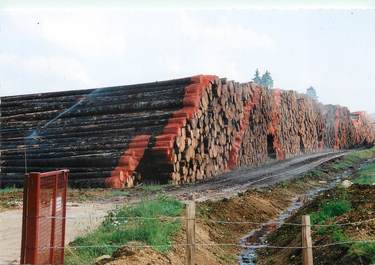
363 125
178 131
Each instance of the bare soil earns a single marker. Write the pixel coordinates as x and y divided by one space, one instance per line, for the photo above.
97 201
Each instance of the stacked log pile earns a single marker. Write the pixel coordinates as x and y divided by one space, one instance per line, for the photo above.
339 129
283 124
301 126
364 128
198 139
178 131
87 131
254 147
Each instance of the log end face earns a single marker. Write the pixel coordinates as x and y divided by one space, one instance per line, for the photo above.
114 183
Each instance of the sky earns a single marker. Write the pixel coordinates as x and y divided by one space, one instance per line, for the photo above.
53 49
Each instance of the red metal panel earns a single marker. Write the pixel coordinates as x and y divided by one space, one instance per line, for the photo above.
43 230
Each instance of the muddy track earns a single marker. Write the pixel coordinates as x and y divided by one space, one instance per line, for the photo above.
240 180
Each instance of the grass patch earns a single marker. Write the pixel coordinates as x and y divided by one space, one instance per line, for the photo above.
363 250
118 193
335 208
8 190
316 173
366 175
351 159
331 209
285 184
152 187
130 224
10 197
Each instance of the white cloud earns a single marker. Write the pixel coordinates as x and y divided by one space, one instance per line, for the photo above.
84 32
19 73
224 34
213 46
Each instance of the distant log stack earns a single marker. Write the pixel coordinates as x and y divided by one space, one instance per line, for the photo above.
301 126
177 131
364 128
340 131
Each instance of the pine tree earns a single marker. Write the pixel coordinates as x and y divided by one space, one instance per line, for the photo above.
311 92
267 80
257 78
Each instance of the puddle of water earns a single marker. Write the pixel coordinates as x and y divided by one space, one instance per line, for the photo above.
256 239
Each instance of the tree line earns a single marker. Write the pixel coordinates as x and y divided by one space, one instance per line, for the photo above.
266 81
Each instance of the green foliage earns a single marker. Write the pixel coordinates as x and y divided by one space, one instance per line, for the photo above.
285 184
315 173
366 175
352 159
311 92
331 209
153 187
265 81
257 78
129 224
118 193
361 155
8 190
338 235
342 165
363 250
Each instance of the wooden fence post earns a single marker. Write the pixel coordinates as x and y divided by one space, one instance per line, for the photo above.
307 254
190 233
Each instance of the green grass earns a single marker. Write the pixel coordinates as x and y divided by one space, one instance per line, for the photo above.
335 208
338 234
366 175
130 224
331 209
152 187
363 250
7 190
316 173
116 193
353 158
342 164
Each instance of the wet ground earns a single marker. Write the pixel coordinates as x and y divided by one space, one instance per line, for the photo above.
256 239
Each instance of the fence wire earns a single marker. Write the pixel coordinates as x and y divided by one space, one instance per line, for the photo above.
202 220
246 246
71 248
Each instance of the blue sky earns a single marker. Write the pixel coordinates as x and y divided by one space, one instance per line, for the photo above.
49 50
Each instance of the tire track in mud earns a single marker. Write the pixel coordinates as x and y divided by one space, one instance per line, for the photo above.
242 179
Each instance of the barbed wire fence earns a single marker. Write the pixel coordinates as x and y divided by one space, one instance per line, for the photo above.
196 243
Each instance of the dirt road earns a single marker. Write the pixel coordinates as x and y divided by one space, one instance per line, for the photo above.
81 218
240 180
85 216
